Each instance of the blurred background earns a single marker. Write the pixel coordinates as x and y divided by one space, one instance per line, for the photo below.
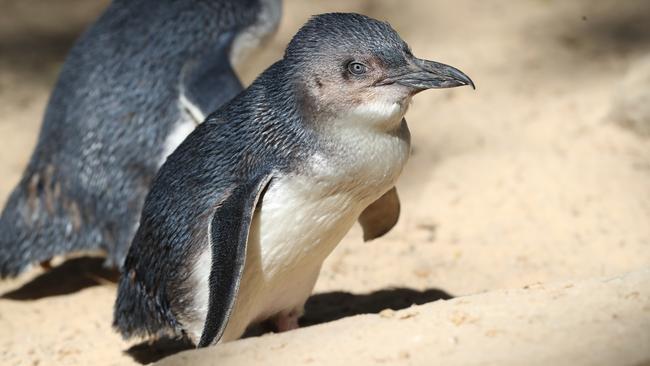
542 174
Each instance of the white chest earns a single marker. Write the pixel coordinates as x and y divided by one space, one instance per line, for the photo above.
303 216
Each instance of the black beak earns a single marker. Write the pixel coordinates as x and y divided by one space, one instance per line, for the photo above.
424 74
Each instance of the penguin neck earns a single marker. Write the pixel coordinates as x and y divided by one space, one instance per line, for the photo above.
377 117
360 158
366 122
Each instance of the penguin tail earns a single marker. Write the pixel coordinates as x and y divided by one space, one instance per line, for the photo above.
37 224
141 313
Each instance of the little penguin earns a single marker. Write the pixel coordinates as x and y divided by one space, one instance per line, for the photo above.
242 215
134 85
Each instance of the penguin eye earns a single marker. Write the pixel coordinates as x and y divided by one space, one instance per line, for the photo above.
357 68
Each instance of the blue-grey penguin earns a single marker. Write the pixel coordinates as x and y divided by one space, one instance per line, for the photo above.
131 89
242 215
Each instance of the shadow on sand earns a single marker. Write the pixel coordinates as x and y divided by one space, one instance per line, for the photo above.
330 306
71 276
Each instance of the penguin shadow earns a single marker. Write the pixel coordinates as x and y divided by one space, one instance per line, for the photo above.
330 306
154 350
320 308
71 276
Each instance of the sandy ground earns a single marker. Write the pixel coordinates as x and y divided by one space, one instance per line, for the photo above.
540 179
532 326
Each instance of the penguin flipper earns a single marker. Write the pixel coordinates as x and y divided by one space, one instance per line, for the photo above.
229 231
378 218
210 81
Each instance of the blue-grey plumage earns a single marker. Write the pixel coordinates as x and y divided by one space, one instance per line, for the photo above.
242 215
132 87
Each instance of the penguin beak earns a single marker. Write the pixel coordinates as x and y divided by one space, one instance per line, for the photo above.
423 74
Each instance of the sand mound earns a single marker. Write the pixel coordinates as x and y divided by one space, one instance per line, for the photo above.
594 322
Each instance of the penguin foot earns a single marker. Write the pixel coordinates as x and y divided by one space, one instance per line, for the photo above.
286 321
47 264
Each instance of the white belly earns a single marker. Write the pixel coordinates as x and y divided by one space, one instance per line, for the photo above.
293 232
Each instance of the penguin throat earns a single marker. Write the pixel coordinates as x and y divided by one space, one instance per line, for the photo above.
379 115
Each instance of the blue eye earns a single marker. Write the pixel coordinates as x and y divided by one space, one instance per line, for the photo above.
357 68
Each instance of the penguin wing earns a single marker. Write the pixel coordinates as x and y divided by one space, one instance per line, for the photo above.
228 232
209 81
378 218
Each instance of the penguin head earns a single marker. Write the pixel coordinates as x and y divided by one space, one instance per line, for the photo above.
350 64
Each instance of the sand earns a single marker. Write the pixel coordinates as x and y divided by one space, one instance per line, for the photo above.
594 322
539 179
